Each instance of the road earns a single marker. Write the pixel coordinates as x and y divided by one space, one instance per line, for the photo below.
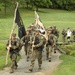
47 67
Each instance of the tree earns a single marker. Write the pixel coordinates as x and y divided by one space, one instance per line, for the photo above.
40 3
5 4
64 4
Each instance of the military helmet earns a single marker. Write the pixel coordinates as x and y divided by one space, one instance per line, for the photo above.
13 34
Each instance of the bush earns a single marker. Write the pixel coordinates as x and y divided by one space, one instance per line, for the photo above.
69 49
72 53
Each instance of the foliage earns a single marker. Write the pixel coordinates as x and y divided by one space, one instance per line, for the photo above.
69 49
64 4
72 53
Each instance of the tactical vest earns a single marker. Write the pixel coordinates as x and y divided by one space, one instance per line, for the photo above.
37 41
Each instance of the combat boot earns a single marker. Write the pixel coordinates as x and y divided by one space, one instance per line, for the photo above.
15 67
30 69
49 59
39 67
11 70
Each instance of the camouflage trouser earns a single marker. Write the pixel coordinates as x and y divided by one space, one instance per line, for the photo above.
49 51
63 39
27 50
36 54
13 58
73 37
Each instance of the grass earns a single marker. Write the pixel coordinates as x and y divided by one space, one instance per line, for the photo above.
67 67
2 48
50 17
3 55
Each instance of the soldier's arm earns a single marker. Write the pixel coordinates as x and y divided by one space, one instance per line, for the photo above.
17 45
22 40
41 42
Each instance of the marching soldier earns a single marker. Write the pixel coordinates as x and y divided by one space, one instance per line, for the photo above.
37 50
26 42
50 45
73 32
14 47
55 32
63 35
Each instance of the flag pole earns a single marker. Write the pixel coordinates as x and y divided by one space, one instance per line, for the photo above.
13 28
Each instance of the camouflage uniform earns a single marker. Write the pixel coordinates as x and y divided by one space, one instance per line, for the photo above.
15 43
37 52
55 32
27 44
63 35
50 46
73 32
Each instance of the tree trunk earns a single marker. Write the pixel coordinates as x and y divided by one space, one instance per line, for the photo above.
27 5
5 7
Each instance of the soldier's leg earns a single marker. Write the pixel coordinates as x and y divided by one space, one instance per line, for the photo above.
47 52
39 59
15 65
50 53
25 49
54 48
33 60
13 58
28 52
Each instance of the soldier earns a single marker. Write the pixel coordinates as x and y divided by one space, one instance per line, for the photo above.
50 45
73 32
14 47
32 29
26 42
63 35
55 32
37 50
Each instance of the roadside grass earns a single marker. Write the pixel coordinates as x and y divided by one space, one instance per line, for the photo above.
67 67
3 56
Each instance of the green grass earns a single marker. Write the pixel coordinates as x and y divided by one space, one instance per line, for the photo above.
67 67
3 55
50 17
69 49
2 48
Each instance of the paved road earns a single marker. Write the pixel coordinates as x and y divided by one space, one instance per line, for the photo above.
47 67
